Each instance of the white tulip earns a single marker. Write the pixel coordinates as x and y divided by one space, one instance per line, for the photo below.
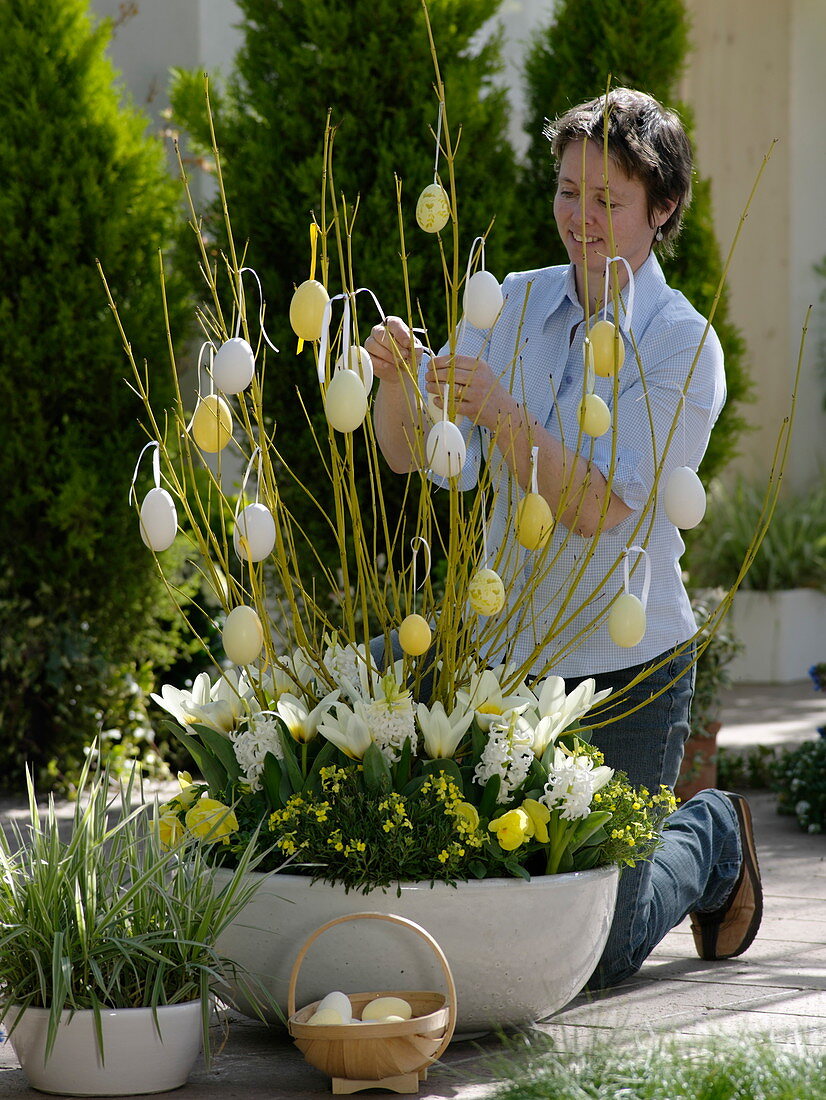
442 733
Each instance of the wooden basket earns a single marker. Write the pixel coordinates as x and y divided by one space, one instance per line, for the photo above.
392 1056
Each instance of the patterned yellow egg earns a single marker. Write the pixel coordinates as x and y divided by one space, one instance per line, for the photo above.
415 635
486 592
307 309
594 415
626 622
608 348
534 521
433 208
212 424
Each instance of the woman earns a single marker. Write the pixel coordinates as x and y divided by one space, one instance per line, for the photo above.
519 387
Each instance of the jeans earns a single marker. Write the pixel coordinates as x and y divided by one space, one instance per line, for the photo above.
699 859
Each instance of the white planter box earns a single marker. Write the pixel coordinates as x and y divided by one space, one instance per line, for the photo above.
784 634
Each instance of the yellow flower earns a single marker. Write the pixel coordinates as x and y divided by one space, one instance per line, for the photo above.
170 828
189 792
467 812
512 829
539 815
211 820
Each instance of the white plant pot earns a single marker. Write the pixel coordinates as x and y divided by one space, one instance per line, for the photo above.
136 1057
519 951
784 634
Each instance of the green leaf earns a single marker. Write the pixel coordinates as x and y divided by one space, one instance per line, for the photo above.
271 781
376 771
401 770
487 806
221 748
289 765
210 768
588 826
517 870
326 754
477 868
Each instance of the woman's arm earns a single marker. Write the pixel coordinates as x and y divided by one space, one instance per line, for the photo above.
397 411
515 431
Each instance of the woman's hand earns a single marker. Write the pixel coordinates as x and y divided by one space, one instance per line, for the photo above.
478 393
394 350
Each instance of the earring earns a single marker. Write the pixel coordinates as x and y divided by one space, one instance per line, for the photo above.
658 236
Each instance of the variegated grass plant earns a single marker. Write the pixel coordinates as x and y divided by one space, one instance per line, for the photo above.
377 578
96 913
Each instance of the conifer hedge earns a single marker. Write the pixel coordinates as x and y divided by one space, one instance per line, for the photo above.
81 610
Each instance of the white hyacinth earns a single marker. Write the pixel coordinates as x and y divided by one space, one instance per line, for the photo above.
389 718
252 745
508 754
572 783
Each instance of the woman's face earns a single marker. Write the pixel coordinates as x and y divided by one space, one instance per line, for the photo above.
582 221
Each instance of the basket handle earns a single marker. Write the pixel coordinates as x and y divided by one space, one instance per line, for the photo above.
391 918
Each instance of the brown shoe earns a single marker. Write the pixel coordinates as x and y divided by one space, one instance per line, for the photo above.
729 930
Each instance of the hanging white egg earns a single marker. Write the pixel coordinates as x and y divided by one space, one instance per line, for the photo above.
243 635
212 424
608 348
445 449
359 361
594 415
254 534
486 592
158 520
626 621
433 208
345 402
684 498
415 635
307 309
483 299
534 521
233 365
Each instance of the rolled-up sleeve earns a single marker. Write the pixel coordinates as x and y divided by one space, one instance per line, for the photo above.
662 419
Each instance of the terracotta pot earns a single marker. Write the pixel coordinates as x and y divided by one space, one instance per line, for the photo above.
698 771
519 951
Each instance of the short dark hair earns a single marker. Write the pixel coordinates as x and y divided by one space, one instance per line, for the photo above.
645 139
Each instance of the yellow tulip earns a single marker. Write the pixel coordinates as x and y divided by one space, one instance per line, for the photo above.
512 829
211 820
170 828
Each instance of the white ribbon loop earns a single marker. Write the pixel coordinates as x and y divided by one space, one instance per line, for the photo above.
255 454
349 312
629 307
534 465
646 581
415 542
260 306
438 142
156 467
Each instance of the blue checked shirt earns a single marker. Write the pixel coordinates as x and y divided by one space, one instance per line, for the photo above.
532 348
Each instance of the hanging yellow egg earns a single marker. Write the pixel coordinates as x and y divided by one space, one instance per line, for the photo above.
307 309
358 360
608 348
345 403
534 521
433 208
626 621
243 635
212 424
415 635
486 592
594 415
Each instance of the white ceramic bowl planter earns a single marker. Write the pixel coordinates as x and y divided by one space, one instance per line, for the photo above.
139 1057
519 951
